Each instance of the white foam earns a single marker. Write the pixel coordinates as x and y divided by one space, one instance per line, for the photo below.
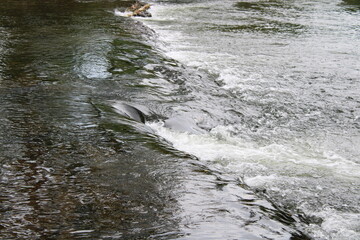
218 146
337 225
288 172
121 14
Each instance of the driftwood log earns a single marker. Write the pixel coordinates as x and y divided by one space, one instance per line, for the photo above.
139 9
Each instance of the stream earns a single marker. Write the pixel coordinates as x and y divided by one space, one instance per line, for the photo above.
210 120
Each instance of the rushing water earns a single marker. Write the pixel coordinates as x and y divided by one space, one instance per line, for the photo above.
264 102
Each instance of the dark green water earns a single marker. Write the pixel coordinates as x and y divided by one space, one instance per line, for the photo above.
72 167
69 171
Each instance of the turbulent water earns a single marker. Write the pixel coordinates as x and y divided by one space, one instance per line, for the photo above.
252 124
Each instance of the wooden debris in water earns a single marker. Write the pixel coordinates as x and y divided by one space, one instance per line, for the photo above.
139 9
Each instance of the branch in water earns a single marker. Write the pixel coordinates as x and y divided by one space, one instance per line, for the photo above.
139 9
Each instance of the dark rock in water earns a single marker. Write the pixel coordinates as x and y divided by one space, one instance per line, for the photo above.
143 14
177 123
183 124
130 112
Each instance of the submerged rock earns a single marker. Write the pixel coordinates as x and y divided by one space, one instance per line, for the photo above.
129 112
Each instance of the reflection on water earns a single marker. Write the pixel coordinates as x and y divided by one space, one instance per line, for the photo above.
63 176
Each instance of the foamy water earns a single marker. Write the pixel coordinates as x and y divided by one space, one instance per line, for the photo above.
297 173
308 162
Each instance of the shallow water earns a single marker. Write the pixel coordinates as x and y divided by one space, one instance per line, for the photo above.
270 88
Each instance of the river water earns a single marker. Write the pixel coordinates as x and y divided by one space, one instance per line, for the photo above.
263 139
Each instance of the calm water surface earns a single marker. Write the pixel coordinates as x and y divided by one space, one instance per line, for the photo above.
271 88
